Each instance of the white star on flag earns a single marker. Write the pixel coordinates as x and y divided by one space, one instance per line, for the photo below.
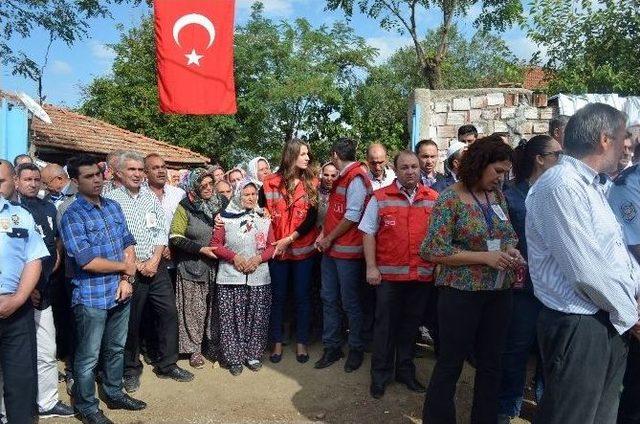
193 58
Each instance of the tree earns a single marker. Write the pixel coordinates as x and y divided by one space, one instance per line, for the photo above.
597 53
382 101
64 20
292 80
401 15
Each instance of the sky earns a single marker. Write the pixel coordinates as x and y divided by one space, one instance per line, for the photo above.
70 68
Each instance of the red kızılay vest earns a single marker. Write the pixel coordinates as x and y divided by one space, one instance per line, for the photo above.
287 216
403 227
348 245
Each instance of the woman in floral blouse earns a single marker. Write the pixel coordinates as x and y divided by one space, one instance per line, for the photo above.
470 236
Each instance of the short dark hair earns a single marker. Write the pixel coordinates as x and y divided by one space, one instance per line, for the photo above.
20 156
12 169
74 164
403 153
479 155
345 148
524 156
26 167
557 122
583 131
421 143
467 129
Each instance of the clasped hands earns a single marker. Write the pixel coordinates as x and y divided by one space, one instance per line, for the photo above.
246 265
502 261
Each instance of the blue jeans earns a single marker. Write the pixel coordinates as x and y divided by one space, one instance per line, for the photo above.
341 281
299 273
520 339
99 331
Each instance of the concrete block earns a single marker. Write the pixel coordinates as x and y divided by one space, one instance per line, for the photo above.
461 104
546 113
511 99
531 113
507 112
495 99
456 118
526 127
489 114
447 131
439 119
440 107
474 115
499 126
540 127
478 102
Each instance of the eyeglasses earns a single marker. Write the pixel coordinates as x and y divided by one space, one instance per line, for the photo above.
557 153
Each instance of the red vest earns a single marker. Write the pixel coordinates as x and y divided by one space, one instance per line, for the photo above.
403 227
348 245
287 216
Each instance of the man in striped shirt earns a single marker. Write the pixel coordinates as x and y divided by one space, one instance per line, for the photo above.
145 219
582 273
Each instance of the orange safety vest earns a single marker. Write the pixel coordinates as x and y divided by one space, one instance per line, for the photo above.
403 227
348 245
288 214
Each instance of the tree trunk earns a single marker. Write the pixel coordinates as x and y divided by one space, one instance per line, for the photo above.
432 74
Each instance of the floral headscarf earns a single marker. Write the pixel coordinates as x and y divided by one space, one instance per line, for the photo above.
235 209
191 185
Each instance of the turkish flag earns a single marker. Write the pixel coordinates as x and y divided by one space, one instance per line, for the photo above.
194 51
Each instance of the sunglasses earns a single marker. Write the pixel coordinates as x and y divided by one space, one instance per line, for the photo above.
557 153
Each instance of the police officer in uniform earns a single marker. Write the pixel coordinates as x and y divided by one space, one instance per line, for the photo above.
624 198
20 256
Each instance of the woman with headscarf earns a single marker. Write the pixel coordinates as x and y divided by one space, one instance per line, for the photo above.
244 245
258 168
189 237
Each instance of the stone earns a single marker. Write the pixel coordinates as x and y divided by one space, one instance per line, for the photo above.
495 99
478 102
440 107
507 112
526 127
456 118
489 114
511 99
439 119
546 113
447 131
540 127
540 100
531 113
461 104
499 126
474 115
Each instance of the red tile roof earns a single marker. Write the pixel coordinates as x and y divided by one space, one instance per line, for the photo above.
535 78
74 132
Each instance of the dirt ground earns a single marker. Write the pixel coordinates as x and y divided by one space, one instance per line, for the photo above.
287 392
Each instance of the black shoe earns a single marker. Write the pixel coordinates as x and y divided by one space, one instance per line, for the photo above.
176 373
131 383
59 410
235 370
302 358
329 356
412 384
354 360
125 402
96 418
275 358
376 390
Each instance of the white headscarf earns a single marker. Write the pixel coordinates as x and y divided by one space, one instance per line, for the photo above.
252 168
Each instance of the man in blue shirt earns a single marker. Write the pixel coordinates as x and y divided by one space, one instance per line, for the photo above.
20 256
100 247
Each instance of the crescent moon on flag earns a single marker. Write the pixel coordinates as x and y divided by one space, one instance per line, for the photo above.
197 19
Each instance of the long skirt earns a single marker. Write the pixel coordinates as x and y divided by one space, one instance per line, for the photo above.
197 315
244 322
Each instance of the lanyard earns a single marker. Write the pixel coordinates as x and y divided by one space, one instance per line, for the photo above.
487 212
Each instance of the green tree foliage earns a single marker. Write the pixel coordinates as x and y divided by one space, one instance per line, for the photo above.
483 61
291 78
64 20
403 16
597 52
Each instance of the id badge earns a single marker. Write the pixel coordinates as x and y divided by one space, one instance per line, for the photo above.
493 245
5 225
499 212
152 221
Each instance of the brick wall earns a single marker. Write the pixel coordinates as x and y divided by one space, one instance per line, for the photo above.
515 110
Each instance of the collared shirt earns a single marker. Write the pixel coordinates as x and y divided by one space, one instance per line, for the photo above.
356 196
20 244
578 259
624 198
171 197
67 191
387 178
370 222
89 231
145 219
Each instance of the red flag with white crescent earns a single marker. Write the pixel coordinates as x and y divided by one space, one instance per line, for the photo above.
194 52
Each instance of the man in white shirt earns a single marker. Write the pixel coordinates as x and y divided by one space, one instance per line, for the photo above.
582 273
380 174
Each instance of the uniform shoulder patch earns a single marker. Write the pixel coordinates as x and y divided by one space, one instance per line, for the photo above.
628 211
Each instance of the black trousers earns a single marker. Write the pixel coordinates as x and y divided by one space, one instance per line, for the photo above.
18 362
470 321
158 293
368 302
430 316
629 411
584 360
399 308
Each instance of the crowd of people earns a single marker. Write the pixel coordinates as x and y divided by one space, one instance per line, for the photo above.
509 254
